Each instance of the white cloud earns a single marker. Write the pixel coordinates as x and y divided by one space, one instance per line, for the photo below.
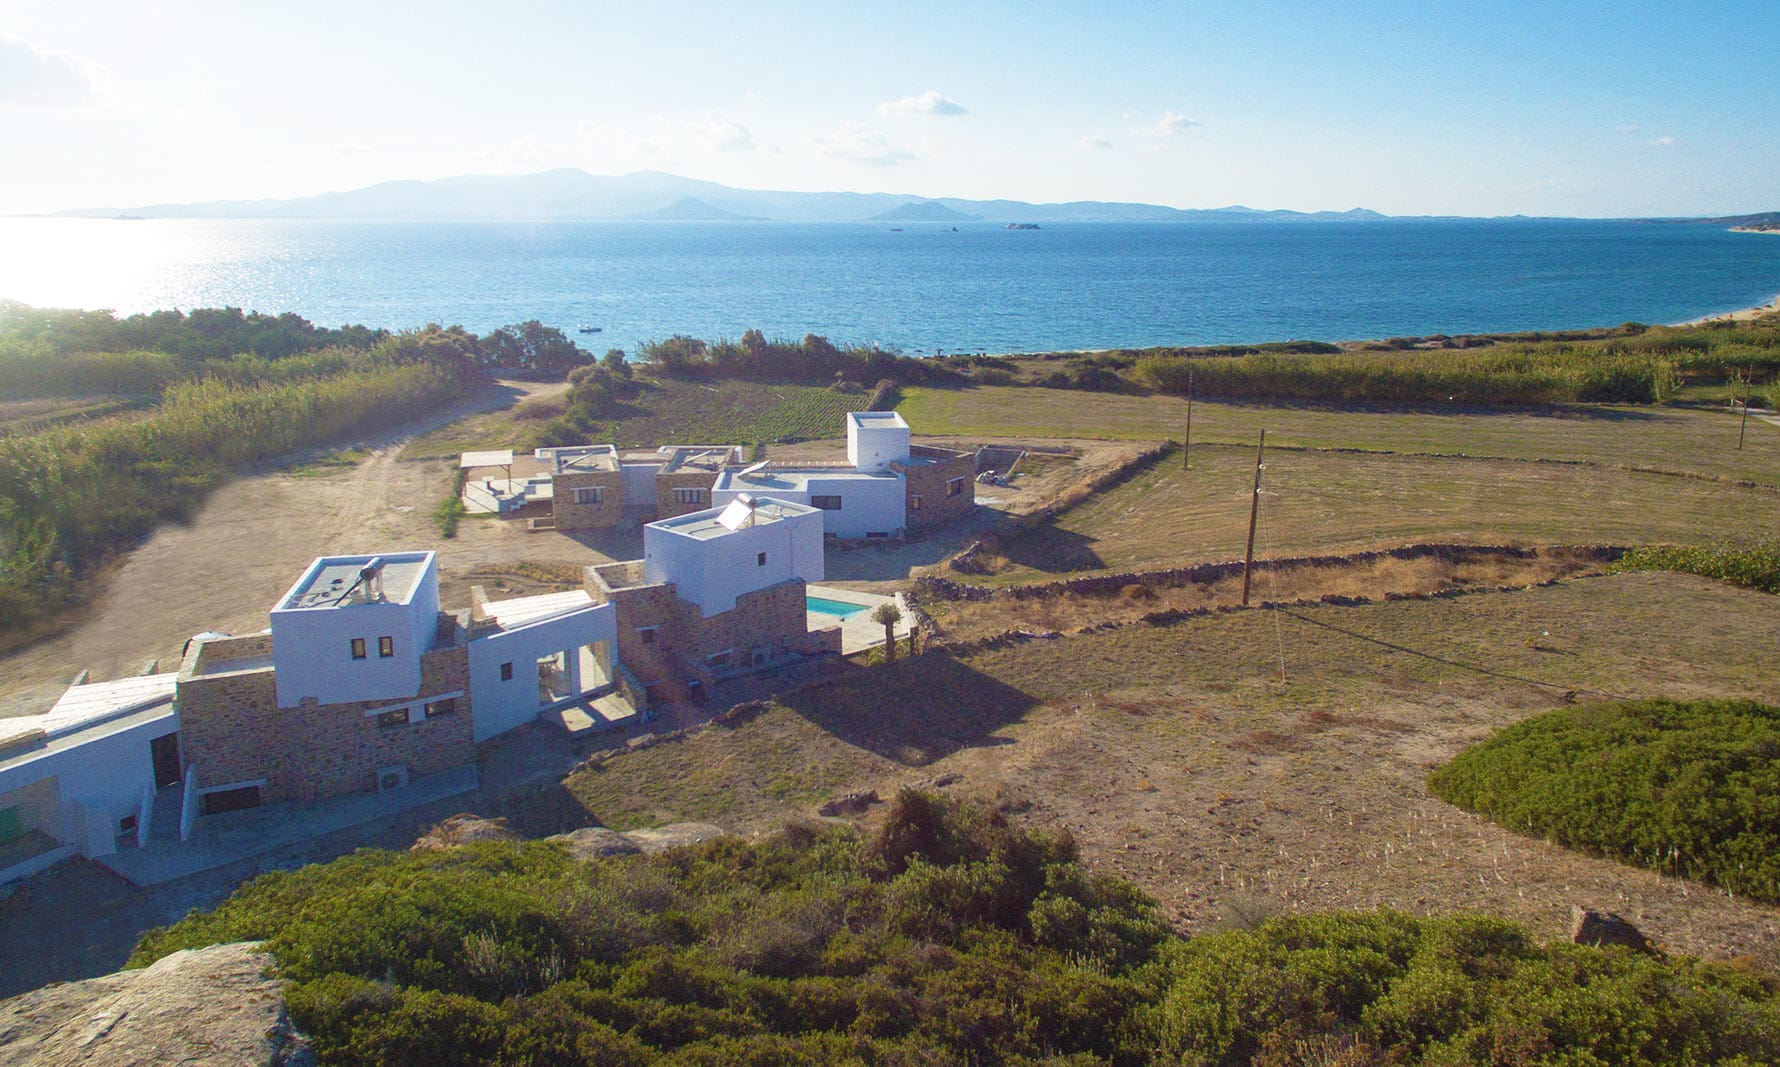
1626 127
931 102
857 143
1172 123
718 133
1093 141
38 77
1665 141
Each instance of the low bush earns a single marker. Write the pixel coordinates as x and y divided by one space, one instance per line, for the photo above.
1690 789
949 936
1756 566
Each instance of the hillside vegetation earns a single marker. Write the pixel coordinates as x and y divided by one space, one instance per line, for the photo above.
1688 789
947 936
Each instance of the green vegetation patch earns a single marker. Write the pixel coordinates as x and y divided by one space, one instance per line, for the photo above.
1756 566
948 936
1383 987
1691 789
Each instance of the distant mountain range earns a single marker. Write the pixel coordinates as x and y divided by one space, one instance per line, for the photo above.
571 194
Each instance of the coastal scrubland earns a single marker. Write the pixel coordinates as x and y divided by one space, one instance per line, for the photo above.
122 424
947 934
1691 789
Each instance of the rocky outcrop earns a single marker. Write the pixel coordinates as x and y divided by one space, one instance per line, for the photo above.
200 1007
675 835
598 842
462 829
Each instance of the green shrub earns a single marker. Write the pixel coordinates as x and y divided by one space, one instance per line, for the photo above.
948 937
1689 789
1756 566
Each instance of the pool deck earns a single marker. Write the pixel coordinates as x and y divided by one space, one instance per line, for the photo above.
859 632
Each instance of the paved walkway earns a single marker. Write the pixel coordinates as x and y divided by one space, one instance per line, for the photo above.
222 839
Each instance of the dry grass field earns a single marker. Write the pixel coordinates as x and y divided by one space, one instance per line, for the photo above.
1254 761
1694 441
1319 502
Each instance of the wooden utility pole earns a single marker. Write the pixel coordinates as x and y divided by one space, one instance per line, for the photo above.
1187 451
1254 510
1748 385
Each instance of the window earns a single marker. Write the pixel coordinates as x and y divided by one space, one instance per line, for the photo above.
358 648
506 672
760 560
386 647
915 502
389 720
646 634
826 503
689 496
221 800
719 659
955 487
437 708
589 494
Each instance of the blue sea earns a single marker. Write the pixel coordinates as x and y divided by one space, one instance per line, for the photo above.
918 289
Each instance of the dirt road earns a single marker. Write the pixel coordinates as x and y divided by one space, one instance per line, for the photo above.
250 541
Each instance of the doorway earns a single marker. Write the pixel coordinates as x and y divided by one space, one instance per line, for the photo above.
165 752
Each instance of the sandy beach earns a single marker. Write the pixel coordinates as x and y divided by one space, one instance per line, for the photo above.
1745 315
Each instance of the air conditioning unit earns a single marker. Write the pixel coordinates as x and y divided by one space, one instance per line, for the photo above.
389 778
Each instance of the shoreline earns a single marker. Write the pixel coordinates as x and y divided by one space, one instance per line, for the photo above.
1748 314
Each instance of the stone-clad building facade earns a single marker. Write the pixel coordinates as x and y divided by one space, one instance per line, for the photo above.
237 736
940 485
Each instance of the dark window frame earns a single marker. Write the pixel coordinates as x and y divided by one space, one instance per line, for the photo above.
358 648
386 648
506 672
826 501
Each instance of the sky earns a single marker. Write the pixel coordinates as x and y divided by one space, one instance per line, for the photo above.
1427 107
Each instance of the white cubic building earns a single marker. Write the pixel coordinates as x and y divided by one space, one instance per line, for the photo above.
714 556
876 439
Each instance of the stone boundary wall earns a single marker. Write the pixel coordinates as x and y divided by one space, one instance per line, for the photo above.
1173 615
1075 495
934 588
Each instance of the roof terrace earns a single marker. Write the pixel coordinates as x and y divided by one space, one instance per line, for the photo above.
346 581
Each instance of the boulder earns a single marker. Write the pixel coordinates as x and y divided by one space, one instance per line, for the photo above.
1601 928
596 843
461 829
662 838
850 804
198 1007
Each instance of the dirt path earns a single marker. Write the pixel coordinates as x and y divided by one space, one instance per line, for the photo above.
223 570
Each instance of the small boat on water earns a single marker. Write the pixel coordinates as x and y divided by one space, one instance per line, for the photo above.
586 328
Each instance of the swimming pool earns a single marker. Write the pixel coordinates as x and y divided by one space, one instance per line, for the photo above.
840 609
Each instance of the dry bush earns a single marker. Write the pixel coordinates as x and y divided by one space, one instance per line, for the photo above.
541 408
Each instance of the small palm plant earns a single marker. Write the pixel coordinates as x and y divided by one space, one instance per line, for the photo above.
888 615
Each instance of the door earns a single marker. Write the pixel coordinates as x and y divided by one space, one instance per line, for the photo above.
165 750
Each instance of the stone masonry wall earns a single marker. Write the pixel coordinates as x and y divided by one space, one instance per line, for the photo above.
666 507
928 481
234 732
773 619
572 516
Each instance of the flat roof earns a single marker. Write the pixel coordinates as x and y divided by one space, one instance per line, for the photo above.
699 457
794 479
888 418
579 459
328 579
521 610
705 525
497 458
83 706
91 730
